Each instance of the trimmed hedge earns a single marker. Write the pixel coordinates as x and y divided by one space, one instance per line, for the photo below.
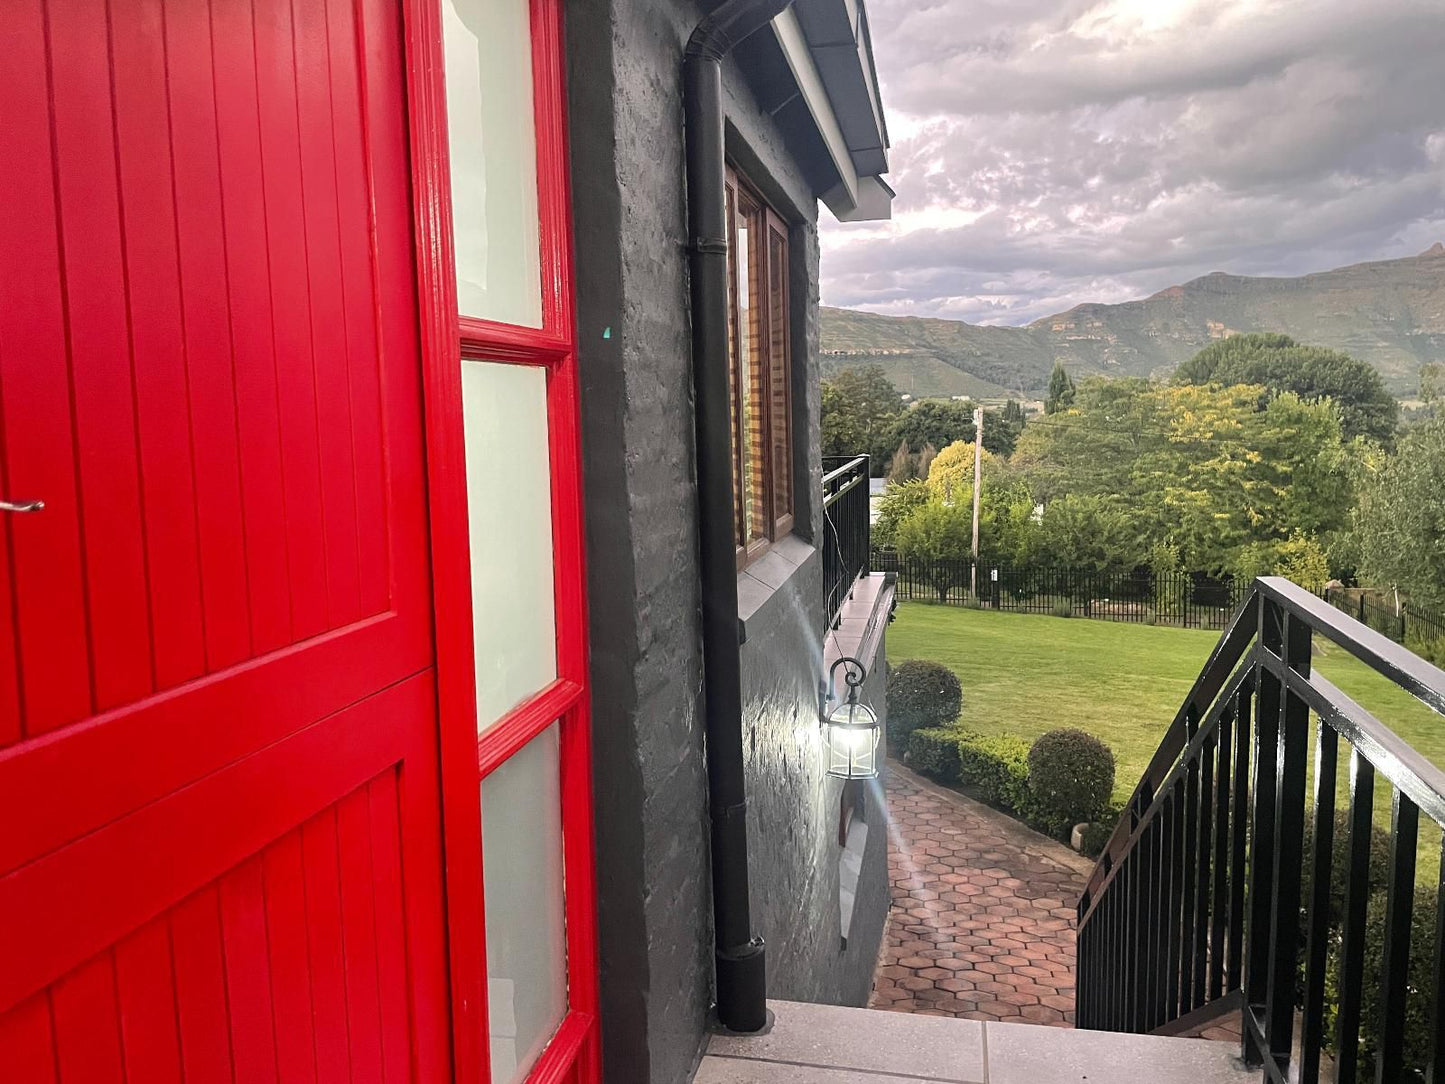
998 768
1420 980
934 751
921 695
1071 774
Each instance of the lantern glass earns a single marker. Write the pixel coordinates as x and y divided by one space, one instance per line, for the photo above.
852 734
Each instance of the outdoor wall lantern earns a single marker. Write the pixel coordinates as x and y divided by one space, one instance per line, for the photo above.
851 729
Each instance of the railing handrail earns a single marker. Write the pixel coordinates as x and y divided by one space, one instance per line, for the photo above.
853 464
1203 903
1400 665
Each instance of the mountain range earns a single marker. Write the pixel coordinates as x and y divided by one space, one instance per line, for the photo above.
1390 313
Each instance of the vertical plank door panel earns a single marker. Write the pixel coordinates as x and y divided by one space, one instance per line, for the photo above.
248 282
291 969
145 991
53 656
362 305
206 322
87 1026
291 304
320 181
152 274
102 382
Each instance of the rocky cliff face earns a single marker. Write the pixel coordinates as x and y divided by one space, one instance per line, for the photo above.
1390 313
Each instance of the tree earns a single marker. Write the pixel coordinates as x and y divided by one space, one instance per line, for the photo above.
938 539
899 501
1399 523
903 466
941 422
1061 390
950 476
1200 465
1086 534
860 407
1432 382
1280 365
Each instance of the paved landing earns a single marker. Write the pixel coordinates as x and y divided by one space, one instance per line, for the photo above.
825 1044
982 923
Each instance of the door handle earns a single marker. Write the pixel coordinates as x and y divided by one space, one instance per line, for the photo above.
21 506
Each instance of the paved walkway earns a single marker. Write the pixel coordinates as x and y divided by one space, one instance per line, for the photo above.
982 923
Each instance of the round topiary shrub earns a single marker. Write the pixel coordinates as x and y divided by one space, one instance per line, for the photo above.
1071 774
921 694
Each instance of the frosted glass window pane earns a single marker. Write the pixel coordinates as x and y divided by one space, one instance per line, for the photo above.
509 513
493 144
526 929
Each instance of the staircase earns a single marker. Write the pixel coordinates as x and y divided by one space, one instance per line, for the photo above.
1203 905
827 1044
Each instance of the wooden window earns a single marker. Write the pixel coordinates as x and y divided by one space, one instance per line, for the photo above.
758 364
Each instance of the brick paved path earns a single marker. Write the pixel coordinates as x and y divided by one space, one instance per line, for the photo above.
982 923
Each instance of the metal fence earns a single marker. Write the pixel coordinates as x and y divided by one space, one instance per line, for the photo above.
1192 600
1387 613
846 530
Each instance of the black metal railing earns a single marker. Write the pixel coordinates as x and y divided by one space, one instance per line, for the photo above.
1192 600
845 528
1223 889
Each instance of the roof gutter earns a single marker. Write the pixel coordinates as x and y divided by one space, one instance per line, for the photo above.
739 956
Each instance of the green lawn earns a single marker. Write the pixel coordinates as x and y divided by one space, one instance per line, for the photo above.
1025 674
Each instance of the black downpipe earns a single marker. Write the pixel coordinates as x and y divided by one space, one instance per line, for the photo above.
740 961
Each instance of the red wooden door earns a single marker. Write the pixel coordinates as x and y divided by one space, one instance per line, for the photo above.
221 850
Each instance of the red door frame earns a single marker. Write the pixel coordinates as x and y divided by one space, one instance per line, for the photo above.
573 1056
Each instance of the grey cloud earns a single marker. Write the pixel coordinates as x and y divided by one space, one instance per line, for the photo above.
1056 152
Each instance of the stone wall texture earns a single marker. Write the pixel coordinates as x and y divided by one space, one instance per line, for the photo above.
624 61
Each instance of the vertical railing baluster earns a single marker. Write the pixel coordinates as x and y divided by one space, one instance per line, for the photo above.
1201 876
1317 948
1239 835
1223 781
1437 971
1172 902
1188 918
1399 909
1290 780
1259 950
1154 987
1357 898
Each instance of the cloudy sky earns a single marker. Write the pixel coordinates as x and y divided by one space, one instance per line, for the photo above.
1048 152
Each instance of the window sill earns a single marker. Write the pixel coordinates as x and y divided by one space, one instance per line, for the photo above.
762 580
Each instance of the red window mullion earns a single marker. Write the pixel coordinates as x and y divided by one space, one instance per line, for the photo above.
446 338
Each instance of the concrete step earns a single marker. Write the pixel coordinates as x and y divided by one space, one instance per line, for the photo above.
829 1044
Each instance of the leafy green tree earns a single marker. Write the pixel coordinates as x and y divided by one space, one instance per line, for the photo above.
1200 465
1432 383
1399 523
1086 534
899 501
1280 364
860 408
950 475
1061 390
941 422
939 538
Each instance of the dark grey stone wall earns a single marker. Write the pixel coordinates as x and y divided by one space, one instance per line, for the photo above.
624 61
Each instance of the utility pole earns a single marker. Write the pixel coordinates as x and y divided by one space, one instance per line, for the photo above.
977 488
